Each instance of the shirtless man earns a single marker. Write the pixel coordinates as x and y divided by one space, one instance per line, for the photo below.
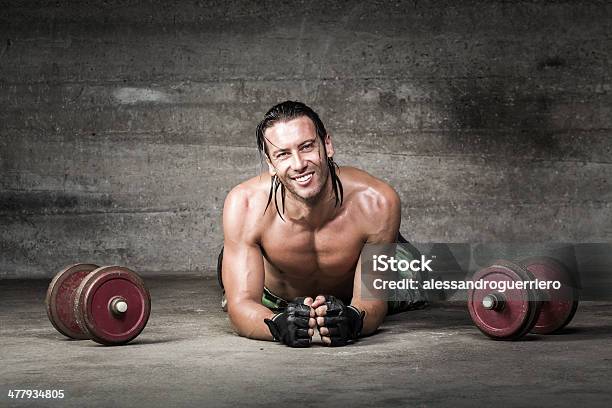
296 232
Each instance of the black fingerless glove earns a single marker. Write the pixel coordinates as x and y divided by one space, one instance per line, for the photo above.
290 327
343 322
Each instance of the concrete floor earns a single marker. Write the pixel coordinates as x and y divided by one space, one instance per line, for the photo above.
188 356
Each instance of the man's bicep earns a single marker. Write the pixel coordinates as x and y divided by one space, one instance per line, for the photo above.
243 271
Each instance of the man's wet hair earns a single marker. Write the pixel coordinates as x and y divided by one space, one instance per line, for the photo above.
283 112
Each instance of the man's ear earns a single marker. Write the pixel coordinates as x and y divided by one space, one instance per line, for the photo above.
329 147
271 168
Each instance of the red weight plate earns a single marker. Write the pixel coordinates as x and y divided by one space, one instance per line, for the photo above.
518 308
559 305
60 298
112 305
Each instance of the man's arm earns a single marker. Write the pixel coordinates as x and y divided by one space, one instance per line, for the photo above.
384 211
243 270
387 212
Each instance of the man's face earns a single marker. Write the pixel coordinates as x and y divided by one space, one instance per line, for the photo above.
297 157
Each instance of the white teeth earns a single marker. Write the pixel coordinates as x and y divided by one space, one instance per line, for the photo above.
304 178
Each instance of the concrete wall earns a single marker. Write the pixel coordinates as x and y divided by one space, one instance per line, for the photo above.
123 125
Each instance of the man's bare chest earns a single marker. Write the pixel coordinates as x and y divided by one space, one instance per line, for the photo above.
328 252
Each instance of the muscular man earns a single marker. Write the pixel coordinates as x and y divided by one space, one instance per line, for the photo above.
293 237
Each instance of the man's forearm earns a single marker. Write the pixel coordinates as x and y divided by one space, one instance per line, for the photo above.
375 312
247 318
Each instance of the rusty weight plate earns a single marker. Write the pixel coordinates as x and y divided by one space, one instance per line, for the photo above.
60 298
508 315
112 305
559 305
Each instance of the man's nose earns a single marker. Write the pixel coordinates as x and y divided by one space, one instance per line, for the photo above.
297 162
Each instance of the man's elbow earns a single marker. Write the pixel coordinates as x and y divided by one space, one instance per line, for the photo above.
240 330
237 320
244 320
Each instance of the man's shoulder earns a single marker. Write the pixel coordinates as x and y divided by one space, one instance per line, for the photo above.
376 205
251 193
368 191
244 208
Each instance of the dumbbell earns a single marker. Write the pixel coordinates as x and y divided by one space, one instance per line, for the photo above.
109 305
515 312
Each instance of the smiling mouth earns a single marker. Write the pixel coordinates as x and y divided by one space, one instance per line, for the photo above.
303 179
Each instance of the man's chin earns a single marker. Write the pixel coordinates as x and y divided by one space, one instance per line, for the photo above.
306 195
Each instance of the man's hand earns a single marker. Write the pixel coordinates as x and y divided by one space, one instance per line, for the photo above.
294 326
338 324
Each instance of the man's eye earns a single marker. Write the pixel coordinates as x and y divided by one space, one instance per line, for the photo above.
307 146
282 154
